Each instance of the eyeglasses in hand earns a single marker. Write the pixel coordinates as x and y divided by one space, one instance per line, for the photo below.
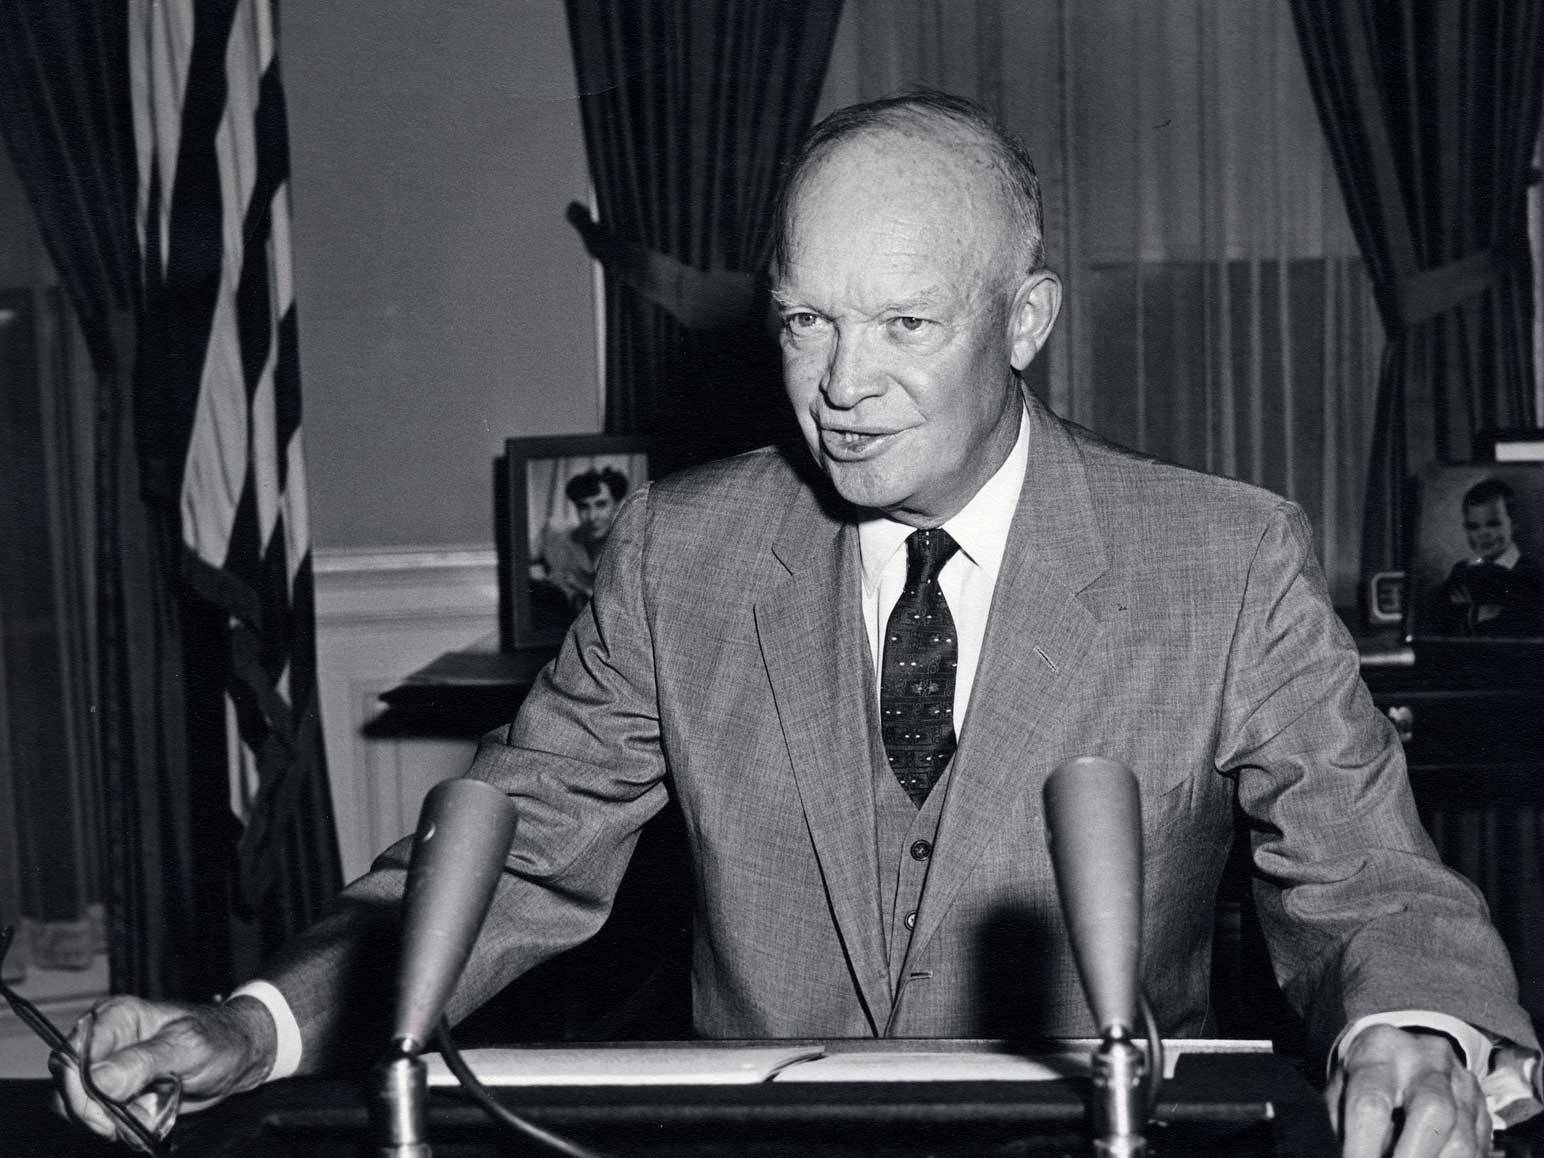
167 1089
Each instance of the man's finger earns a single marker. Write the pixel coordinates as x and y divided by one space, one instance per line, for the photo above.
1367 1112
1432 1118
77 1103
1472 1134
113 1023
1464 1145
1334 1096
1484 1127
128 1072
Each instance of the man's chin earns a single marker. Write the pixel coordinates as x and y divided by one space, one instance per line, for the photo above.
861 487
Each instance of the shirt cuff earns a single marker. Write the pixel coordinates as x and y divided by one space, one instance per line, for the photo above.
286 1055
1509 1075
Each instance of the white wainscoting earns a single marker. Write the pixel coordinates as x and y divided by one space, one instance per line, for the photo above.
381 614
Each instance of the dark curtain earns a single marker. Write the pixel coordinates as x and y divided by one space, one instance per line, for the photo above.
50 874
181 920
691 108
65 114
1431 108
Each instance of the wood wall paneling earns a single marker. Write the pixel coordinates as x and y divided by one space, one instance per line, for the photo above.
382 614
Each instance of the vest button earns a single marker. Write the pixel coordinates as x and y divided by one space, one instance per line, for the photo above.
911 919
921 850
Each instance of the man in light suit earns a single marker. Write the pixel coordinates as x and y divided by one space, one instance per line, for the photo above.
855 877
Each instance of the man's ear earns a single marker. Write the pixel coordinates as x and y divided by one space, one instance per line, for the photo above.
1032 314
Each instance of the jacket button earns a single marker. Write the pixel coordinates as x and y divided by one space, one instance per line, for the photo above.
921 850
911 919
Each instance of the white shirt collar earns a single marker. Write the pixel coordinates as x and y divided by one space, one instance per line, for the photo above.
1507 558
980 528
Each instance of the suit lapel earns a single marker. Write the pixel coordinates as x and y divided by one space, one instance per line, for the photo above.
1038 636
811 634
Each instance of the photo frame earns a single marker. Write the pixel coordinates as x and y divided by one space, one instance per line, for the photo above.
1517 444
1386 599
560 494
1477 566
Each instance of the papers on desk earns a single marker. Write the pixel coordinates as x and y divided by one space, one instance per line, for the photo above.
691 1065
934 1067
700 1063
843 1063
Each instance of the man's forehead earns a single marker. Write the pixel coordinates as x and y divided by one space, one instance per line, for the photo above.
887 257
884 181
923 159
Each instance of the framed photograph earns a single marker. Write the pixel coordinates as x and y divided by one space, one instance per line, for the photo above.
562 494
1477 567
1386 599
1521 444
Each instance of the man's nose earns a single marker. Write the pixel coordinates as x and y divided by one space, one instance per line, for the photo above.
850 377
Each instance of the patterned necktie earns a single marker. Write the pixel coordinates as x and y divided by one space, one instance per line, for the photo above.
916 679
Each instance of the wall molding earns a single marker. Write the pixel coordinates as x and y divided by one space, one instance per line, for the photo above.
357 586
381 614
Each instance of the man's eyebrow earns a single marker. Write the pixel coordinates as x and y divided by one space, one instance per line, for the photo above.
923 301
917 305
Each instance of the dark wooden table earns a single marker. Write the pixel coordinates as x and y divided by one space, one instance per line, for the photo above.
461 694
1234 1104
1471 714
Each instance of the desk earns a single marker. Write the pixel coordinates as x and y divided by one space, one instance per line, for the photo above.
462 693
1471 715
1235 1104
326 1116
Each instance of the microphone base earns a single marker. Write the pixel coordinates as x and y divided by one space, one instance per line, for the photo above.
1119 1072
399 1089
1130 1147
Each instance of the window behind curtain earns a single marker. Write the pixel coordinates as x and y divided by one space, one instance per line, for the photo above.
49 874
1216 312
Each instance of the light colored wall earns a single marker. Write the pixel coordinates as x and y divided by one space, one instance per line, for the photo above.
445 304
444 301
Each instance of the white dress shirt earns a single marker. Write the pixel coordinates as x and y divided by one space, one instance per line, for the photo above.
967 579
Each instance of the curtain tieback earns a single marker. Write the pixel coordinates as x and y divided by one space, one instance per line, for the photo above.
1424 295
698 299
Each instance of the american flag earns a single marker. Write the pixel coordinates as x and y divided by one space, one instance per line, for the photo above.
221 398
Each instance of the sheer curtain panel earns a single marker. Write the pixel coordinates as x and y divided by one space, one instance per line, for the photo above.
1217 313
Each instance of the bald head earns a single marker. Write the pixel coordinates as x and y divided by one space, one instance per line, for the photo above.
922 124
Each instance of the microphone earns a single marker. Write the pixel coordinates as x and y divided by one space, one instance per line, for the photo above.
1093 817
464 831
463 836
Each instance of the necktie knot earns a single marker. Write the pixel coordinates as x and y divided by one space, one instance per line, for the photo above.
926 553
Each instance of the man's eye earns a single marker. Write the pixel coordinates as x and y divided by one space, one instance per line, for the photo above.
910 324
802 320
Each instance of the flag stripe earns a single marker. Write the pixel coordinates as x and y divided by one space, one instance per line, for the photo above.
216 462
222 333
193 254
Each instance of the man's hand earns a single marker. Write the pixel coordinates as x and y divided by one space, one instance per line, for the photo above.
1419 1077
216 1050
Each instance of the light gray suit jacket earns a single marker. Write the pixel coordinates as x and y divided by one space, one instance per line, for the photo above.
1173 621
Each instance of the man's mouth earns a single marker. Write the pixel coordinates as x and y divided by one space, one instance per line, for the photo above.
852 444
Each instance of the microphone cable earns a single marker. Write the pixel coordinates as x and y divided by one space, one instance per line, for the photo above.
1154 1051
499 1112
